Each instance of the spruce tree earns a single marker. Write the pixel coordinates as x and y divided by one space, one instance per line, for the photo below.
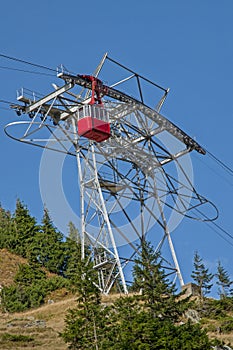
47 249
72 262
73 233
6 234
84 324
223 281
150 319
128 325
24 229
158 292
201 276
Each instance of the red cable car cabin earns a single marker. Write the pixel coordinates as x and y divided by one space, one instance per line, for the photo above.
93 122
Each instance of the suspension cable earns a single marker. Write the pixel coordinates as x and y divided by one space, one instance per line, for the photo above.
27 62
26 71
221 163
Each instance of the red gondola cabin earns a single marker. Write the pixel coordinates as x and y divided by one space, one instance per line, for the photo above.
93 123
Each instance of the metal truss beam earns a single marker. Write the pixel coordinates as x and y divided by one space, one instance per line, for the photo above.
152 114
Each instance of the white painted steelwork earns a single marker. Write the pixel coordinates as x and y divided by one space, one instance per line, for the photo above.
126 187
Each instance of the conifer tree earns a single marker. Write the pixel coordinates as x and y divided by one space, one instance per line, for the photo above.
6 235
25 230
49 247
127 325
72 262
73 233
73 255
150 320
201 276
147 321
157 291
223 280
83 328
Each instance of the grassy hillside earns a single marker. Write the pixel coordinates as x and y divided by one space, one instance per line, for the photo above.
39 328
9 264
35 329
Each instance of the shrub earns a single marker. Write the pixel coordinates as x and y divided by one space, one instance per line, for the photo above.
16 337
227 325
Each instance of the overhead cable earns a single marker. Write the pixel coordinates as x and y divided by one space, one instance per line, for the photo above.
26 71
27 62
217 226
222 164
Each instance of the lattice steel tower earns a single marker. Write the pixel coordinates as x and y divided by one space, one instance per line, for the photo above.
124 150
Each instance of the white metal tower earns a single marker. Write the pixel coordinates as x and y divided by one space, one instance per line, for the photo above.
127 154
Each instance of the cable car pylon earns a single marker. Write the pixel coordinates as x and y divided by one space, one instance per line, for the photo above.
132 180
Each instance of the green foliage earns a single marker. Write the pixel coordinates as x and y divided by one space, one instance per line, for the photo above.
84 323
128 326
131 326
45 248
211 309
30 288
158 293
5 228
72 262
48 246
39 243
227 325
223 281
226 303
73 233
29 274
14 298
16 337
201 276
215 309
149 320
192 337
24 230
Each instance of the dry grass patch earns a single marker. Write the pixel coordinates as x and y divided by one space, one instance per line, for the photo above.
35 329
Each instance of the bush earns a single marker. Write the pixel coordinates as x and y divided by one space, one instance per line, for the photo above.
30 289
226 303
14 299
54 283
16 337
227 325
212 309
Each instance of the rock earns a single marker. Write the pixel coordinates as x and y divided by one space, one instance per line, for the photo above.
192 315
221 347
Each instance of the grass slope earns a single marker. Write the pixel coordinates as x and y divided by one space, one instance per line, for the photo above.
9 264
39 329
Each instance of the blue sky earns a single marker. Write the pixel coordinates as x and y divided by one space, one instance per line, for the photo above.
186 46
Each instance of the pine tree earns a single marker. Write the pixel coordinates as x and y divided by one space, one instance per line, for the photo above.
84 326
223 280
24 229
72 262
6 235
150 320
201 276
49 248
73 255
73 233
157 291
129 325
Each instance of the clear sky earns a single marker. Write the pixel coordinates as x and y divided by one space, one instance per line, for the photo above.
184 45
